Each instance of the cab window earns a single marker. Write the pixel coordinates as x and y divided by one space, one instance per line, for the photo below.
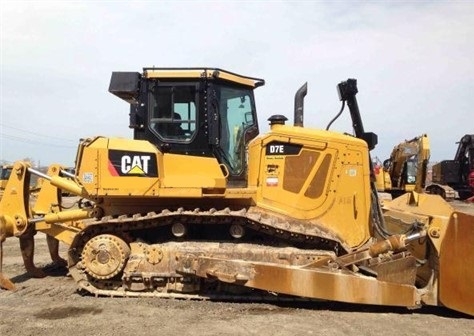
173 112
237 117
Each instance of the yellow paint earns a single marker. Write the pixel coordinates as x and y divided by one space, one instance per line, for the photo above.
328 183
199 73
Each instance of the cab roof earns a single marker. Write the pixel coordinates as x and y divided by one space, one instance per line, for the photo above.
211 73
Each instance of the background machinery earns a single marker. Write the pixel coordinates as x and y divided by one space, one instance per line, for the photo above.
5 171
406 168
455 178
200 205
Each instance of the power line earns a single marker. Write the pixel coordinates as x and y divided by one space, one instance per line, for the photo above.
35 133
32 141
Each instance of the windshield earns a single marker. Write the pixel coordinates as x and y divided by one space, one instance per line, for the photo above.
237 116
411 171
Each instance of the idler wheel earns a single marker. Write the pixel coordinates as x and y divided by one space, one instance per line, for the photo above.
104 256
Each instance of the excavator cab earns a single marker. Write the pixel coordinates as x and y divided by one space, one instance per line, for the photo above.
408 176
191 111
406 168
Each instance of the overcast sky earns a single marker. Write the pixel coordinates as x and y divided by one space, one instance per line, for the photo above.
413 61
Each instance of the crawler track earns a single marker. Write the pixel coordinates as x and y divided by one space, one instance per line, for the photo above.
266 234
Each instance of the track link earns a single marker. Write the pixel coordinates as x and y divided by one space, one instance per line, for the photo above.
273 228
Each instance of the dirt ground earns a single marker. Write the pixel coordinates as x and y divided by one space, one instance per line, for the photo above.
52 306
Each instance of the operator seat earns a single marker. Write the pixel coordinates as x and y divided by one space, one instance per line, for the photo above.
175 127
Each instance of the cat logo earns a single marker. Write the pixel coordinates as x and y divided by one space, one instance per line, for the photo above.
135 165
126 163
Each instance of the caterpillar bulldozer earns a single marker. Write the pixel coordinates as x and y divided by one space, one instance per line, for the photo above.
454 179
201 205
406 169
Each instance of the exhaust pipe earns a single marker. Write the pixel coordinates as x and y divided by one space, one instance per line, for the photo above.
299 103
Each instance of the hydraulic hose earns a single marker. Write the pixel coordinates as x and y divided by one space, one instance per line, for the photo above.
337 115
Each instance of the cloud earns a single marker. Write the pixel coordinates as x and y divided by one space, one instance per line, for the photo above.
412 61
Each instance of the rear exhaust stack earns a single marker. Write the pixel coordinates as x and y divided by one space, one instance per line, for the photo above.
299 104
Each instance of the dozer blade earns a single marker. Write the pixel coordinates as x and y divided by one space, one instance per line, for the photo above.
456 264
5 283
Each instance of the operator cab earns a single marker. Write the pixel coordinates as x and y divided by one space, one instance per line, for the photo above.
193 111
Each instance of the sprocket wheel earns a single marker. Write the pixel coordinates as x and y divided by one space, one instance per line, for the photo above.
104 256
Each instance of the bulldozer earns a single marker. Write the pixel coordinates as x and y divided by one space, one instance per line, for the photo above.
201 205
406 169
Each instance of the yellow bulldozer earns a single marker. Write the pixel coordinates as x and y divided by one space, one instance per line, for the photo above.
200 205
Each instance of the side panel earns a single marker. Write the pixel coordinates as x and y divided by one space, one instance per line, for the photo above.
114 167
456 289
318 177
185 171
133 168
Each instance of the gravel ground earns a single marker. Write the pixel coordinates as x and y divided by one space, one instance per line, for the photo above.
52 306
